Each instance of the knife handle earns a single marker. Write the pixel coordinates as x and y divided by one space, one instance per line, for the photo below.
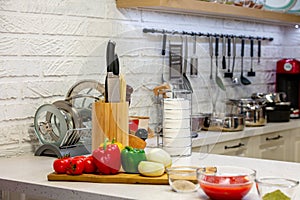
110 54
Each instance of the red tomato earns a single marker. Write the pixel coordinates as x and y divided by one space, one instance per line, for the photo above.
89 165
221 188
79 157
76 166
60 165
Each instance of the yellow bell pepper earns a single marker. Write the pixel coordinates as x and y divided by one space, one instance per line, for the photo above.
120 145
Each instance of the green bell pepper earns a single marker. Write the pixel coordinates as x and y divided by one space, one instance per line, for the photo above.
131 157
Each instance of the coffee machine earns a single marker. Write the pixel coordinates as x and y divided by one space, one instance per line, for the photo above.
288 81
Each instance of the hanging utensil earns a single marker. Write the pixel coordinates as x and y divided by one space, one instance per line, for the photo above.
186 82
228 74
211 54
175 61
218 79
224 53
163 53
235 80
251 72
110 55
244 80
194 61
258 51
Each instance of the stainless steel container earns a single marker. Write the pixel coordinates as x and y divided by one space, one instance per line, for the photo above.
252 109
277 108
221 122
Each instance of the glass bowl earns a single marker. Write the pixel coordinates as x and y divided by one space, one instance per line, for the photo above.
227 182
276 187
183 178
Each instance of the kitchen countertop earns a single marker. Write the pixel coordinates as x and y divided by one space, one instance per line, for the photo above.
28 174
211 137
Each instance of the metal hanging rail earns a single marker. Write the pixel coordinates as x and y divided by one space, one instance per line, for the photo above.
163 31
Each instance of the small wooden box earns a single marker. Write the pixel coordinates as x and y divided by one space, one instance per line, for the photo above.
109 120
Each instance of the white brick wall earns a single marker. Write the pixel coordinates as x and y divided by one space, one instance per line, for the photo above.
48 45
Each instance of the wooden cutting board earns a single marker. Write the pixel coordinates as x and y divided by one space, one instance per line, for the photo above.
117 178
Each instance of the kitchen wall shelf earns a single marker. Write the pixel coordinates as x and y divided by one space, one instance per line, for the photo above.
202 8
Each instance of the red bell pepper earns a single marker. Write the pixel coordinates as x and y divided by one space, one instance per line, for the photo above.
107 158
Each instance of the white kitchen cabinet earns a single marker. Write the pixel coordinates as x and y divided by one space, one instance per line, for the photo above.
273 146
295 144
240 147
276 141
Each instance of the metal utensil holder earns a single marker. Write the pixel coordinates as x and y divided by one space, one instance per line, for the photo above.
176 111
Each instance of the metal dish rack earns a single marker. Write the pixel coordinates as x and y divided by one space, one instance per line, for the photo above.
65 126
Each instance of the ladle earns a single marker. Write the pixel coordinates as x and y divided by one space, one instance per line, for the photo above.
218 79
251 72
244 80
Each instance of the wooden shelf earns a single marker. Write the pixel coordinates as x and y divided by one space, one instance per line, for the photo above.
196 7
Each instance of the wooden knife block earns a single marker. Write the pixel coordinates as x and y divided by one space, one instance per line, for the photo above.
109 120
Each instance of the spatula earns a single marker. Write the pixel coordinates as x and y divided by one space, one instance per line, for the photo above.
218 79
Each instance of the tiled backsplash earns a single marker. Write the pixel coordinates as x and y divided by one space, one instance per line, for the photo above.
48 45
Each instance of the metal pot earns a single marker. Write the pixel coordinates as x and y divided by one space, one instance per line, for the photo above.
270 97
221 122
252 109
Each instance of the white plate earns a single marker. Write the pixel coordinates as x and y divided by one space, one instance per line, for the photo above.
177 133
279 5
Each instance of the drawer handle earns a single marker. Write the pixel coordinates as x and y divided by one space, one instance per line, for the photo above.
234 146
274 138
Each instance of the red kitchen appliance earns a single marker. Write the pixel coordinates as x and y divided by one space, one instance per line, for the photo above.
288 81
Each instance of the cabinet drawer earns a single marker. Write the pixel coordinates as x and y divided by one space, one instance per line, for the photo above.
271 140
274 146
235 147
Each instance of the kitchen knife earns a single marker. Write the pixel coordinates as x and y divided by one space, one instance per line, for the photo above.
110 56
